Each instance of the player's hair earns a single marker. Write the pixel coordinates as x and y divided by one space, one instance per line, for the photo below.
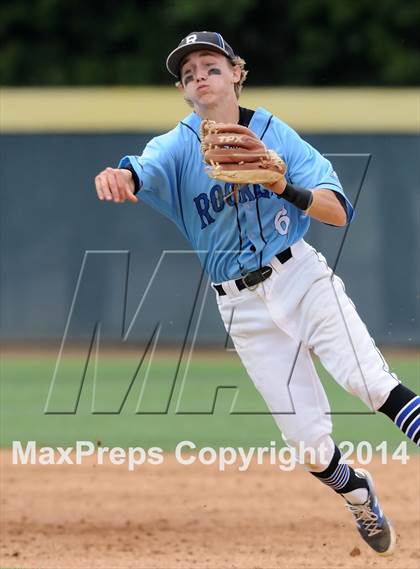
238 86
244 72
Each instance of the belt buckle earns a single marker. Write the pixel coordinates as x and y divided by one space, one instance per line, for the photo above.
264 273
250 287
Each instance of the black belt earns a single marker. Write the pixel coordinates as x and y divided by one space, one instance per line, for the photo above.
253 278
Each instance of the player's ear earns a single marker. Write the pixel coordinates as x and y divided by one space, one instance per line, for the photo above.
180 87
236 74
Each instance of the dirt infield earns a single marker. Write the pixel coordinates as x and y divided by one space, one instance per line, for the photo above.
174 516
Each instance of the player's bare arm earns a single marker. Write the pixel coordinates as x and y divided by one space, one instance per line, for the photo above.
324 206
115 184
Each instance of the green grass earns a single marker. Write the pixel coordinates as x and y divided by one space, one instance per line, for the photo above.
26 382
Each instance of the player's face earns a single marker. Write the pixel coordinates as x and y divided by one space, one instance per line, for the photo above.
207 77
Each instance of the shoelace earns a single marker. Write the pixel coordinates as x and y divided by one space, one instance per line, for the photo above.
366 517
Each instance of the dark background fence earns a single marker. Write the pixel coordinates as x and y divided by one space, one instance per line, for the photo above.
50 216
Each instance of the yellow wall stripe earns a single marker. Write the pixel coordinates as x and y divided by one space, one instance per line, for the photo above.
158 109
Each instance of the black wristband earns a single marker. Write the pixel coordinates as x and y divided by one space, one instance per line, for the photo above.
299 197
135 178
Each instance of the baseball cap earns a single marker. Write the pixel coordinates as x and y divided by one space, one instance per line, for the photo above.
193 42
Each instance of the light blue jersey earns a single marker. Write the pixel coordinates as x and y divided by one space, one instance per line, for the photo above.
230 238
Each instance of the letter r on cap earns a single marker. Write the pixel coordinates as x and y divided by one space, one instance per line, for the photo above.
191 39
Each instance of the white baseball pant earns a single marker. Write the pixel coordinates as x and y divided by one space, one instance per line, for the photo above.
303 307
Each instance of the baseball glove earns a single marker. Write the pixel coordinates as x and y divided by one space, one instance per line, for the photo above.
236 155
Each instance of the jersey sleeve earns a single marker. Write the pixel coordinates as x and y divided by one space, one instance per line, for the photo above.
307 168
156 170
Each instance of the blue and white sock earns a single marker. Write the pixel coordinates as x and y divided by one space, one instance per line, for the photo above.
403 407
343 480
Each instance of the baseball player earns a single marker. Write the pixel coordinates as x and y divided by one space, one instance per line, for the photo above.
284 298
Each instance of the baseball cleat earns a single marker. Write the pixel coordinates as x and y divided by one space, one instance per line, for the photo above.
372 524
